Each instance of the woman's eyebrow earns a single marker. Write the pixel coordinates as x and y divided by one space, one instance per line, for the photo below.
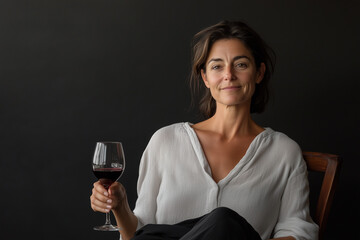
239 57
234 59
214 60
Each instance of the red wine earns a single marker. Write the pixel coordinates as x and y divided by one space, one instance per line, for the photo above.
107 175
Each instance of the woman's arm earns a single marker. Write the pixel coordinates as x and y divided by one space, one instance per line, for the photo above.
125 218
294 216
127 222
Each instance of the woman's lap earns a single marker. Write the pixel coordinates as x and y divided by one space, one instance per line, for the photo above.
221 223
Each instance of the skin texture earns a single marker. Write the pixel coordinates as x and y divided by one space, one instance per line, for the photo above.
231 75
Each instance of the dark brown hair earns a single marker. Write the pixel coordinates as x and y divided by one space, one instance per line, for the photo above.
261 52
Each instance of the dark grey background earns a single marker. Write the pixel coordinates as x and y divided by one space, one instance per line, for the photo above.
73 72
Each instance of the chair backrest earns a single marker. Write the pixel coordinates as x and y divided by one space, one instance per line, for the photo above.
330 165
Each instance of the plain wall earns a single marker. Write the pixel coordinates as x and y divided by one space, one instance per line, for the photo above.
73 72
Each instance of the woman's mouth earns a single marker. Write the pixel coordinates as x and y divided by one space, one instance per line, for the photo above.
230 88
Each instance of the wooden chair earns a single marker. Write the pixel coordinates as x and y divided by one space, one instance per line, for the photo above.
328 164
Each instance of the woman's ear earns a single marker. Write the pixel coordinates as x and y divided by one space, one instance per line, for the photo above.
260 73
203 76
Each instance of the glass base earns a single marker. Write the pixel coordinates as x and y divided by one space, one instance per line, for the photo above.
107 227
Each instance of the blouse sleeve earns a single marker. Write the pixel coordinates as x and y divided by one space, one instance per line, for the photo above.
147 186
294 216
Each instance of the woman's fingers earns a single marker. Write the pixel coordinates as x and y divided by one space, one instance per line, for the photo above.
103 200
100 193
100 188
118 195
100 200
100 206
99 197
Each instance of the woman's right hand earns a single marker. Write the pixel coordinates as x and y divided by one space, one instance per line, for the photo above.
115 199
103 200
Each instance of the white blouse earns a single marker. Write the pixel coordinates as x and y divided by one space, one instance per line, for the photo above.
268 186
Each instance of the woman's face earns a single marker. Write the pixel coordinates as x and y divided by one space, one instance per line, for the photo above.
231 73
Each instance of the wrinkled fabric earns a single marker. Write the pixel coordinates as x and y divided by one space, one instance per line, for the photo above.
222 223
268 186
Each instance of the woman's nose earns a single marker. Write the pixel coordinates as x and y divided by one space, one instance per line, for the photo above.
229 74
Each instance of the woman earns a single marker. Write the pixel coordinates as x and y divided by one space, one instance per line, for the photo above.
188 170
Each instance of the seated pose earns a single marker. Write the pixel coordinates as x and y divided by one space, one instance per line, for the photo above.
225 177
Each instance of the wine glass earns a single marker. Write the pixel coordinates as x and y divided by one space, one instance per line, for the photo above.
108 165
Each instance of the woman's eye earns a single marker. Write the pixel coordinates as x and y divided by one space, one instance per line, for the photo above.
215 67
241 65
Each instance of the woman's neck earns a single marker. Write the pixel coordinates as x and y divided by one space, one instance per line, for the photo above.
231 122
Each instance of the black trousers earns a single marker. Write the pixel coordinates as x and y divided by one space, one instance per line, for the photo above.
220 224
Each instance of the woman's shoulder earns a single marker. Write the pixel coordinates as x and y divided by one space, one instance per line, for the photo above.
170 132
172 129
284 148
281 140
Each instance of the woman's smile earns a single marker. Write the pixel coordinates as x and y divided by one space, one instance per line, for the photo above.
230 88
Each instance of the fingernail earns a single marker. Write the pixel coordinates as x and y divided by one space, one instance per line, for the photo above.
106 210
106 194
109 201
108 206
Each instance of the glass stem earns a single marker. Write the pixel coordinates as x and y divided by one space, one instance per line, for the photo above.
107 221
